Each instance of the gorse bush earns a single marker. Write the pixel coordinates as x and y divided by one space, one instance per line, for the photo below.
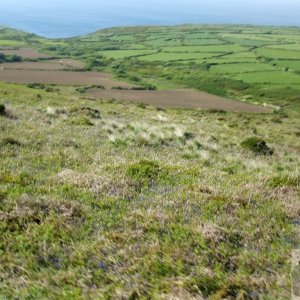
2 110
40 86
257 146
10 141
86 111
81 121
144 172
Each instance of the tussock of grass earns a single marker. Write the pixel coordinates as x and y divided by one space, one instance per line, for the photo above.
10 141
80 121
257 146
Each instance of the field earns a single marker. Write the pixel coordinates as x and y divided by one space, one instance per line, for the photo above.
47 65
60 77
179 98
127 172
25 53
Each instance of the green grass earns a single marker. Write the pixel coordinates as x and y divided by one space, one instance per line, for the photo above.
11 43
273 77
101 199
295 47
176 56
117 54
142 202
291 64
278 53
241 68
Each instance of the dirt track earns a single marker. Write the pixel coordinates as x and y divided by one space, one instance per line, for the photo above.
180 98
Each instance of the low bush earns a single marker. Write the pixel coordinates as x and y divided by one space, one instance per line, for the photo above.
3 111
39 86
81 122
143 173
281 181
86 110
10 141
257 146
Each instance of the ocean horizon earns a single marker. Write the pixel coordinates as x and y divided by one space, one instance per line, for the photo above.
72 18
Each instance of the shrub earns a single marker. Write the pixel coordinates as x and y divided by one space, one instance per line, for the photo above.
81 122
40 86
10 141
51 90
121 88
142 105
144 173
135 78
85 110
281 181
2 110
257 146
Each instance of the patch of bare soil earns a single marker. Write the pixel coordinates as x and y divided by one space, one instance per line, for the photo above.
179 98
60 77
55 64
26 53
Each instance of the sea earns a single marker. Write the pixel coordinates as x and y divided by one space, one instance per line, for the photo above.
67 18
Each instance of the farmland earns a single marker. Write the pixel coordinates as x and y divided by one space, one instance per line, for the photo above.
240 55
149 163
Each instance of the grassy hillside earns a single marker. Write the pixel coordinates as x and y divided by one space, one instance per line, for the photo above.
106 200
101 199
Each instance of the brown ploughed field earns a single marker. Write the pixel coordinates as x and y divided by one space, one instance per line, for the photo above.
60 77
55 71
53 64
26 53
179 98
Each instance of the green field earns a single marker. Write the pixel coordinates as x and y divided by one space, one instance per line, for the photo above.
241 68
294 65
215 50
117 54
